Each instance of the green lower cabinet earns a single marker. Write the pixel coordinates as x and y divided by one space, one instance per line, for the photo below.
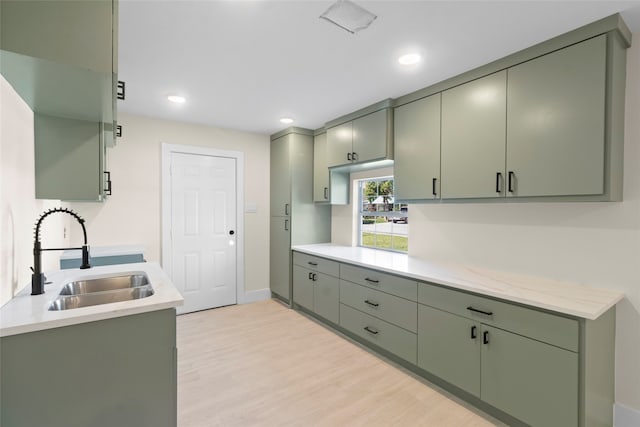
303 287
530 380
449 347
326 297
114 372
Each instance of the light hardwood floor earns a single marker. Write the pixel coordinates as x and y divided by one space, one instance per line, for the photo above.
263 364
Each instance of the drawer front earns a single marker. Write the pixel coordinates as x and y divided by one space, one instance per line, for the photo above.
555 330
404 288
396 340
399 311
317 264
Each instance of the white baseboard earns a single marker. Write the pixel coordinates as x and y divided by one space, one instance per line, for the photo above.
255 296
624 416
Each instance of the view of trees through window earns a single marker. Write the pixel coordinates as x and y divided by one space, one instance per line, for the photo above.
383 223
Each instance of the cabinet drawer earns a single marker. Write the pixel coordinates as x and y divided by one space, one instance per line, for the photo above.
396 340
555 330
316 264
388 283
392 309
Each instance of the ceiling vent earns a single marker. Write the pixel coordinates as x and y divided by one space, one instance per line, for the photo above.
348 16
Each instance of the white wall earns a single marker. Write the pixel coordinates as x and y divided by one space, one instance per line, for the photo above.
132 215
19 209
595 244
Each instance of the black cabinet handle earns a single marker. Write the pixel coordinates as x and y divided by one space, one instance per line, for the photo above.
373 304
315 277
499 182
326 193
286 208
286 225
371 330
354 156
119 131
433 186
371 280
312 263
349 156
310 276
473 332
121 90
512 178
107 189
485 337
488 313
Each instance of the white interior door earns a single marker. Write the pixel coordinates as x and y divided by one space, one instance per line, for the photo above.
203 230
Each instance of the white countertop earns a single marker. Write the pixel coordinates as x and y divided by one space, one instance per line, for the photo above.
563 297
104 251
27 313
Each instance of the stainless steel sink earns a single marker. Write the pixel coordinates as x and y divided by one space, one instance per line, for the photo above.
109 283
67 302
103 290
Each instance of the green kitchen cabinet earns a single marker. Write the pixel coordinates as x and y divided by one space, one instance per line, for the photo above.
367 137
556 122
473 138
321 186
417 149
315 289
70 159
295 218
115 372
449 347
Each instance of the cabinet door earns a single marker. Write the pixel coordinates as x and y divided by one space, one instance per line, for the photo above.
370 136
68 159
280 177
339 144
532 381
326 297
303 286
449 347
556 120
417 149
473 138
280 256
320 169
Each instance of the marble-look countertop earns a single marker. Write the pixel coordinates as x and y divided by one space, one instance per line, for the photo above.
562 297
28 313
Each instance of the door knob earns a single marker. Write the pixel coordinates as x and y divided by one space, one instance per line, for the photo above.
231 232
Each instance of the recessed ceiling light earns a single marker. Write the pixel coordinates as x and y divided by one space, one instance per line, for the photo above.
410 59
177 99
286 120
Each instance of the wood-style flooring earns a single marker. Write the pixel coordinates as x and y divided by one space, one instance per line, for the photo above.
263 364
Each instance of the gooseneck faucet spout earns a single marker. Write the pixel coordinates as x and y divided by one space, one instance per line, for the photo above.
37 278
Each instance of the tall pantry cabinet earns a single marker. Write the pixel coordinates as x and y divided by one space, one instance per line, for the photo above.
295 219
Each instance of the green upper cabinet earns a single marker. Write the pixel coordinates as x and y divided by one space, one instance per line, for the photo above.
320 169
473 138
61 56
281 176
556 122
364 139
417 149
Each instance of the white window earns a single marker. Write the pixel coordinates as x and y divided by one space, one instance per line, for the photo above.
383 223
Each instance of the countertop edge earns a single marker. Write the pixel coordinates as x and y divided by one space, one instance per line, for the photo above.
320 250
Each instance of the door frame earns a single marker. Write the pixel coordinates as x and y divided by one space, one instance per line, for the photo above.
167 150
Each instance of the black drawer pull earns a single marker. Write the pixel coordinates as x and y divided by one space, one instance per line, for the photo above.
312 263
373 304
315 277
433 186
371 280
310 276
371 330
473 332
488 313
499 182
485 337
349 156
512 177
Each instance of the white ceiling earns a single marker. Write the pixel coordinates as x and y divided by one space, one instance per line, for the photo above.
245 64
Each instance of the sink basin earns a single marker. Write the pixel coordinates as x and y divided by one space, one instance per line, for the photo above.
101 284
67 302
